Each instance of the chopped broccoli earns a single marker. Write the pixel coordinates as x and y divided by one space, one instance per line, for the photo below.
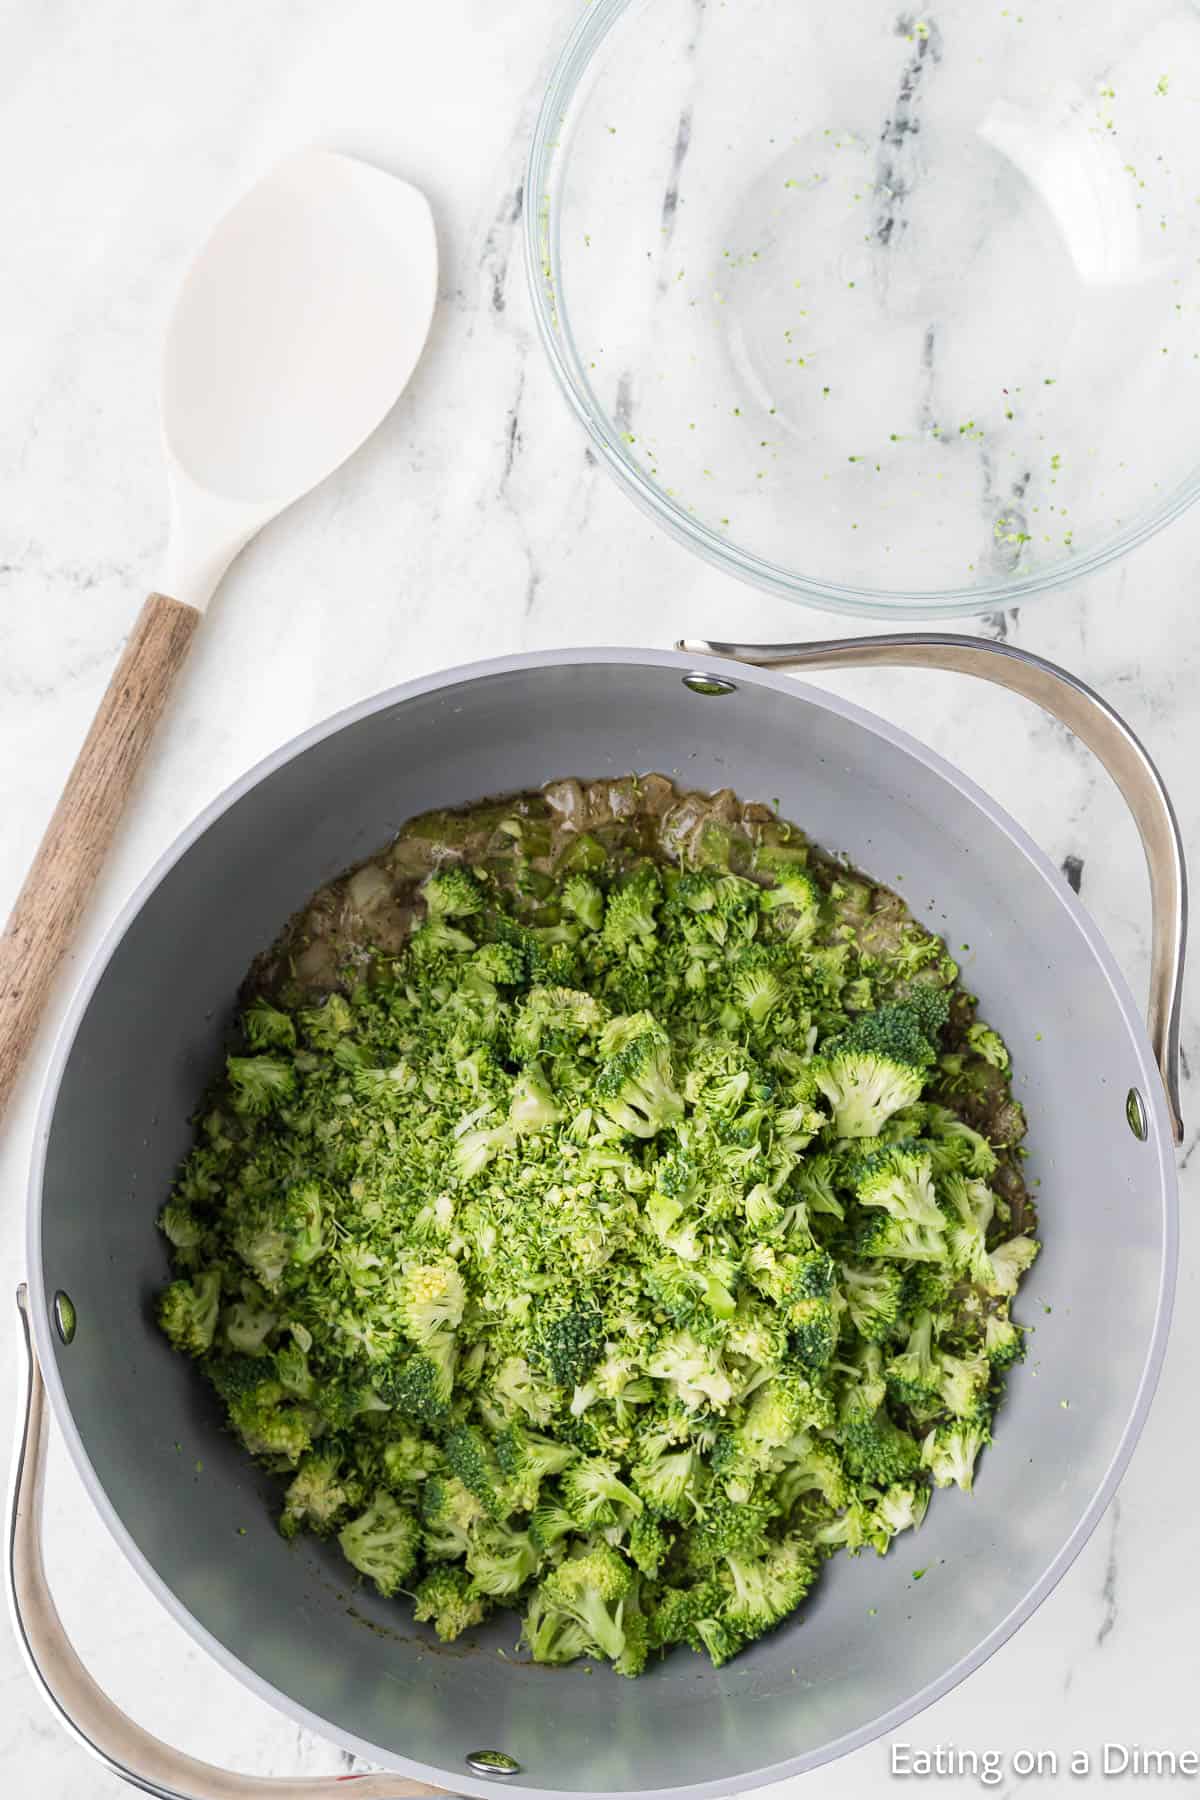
635 1088
449 1601
187 1312
632 1228
454 892
382 1542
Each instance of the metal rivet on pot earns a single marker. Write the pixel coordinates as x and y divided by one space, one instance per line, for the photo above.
1135 1112
492 1762
712 685
65 1320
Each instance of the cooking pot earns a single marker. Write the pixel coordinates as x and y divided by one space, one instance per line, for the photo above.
144 1035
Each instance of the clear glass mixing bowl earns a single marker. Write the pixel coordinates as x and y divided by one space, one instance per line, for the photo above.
887 311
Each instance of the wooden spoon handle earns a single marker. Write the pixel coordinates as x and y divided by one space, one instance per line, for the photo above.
50 905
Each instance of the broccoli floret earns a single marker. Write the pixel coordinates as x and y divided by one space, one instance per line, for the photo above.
552 1635
430 1298
881 1063
422 1386
864 1088
667 1483
501 1561
649 1544
567 1345
187 1312
635 1087
901 1182
915 1375
581 897
694 1371
409 1459
629 920
258 1084
950 1452
1002 1341
472 1460
554 1021
989 1044
594 1494
758 993
873 1300
449 1515
964 1383
179 1224
969 1206
260 1409
591 1591
1009 1262
449 1601
532 1107
318 1495
811 1465
382 1542
765 1588
884 1236
795 905
954 1147
903 1506
454 892
677 1613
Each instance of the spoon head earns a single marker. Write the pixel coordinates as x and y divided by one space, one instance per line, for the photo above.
297 328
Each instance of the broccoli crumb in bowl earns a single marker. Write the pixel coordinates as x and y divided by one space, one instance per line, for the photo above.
611 1209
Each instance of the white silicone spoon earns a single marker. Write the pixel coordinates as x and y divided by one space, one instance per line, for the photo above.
296 331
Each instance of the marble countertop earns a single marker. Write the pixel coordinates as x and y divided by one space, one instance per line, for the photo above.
473 524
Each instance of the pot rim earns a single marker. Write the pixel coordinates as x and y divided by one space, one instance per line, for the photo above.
1159 1140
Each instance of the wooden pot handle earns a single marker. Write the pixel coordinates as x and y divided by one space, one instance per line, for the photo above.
49 907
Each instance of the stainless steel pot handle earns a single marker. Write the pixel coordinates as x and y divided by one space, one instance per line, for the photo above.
86 1711
1096 724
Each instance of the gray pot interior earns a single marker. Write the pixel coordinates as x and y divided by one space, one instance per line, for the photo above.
150 1037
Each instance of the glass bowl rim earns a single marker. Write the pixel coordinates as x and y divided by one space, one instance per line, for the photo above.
543 273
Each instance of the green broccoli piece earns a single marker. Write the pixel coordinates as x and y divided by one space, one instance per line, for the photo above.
501 1561
915 1376
266 1418
448 1600
794 903
881 1062
317 1496
259 1084
267 1028
635 1087
567 1345
649 1544
591 1592
873 1300
594 1494
449 1515
430 1298
767 1587
667 1483
383 1542
989 1044
582 898
421 1387
453 892
471 1458
187 1312
950 1453
1002 1341
629 912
